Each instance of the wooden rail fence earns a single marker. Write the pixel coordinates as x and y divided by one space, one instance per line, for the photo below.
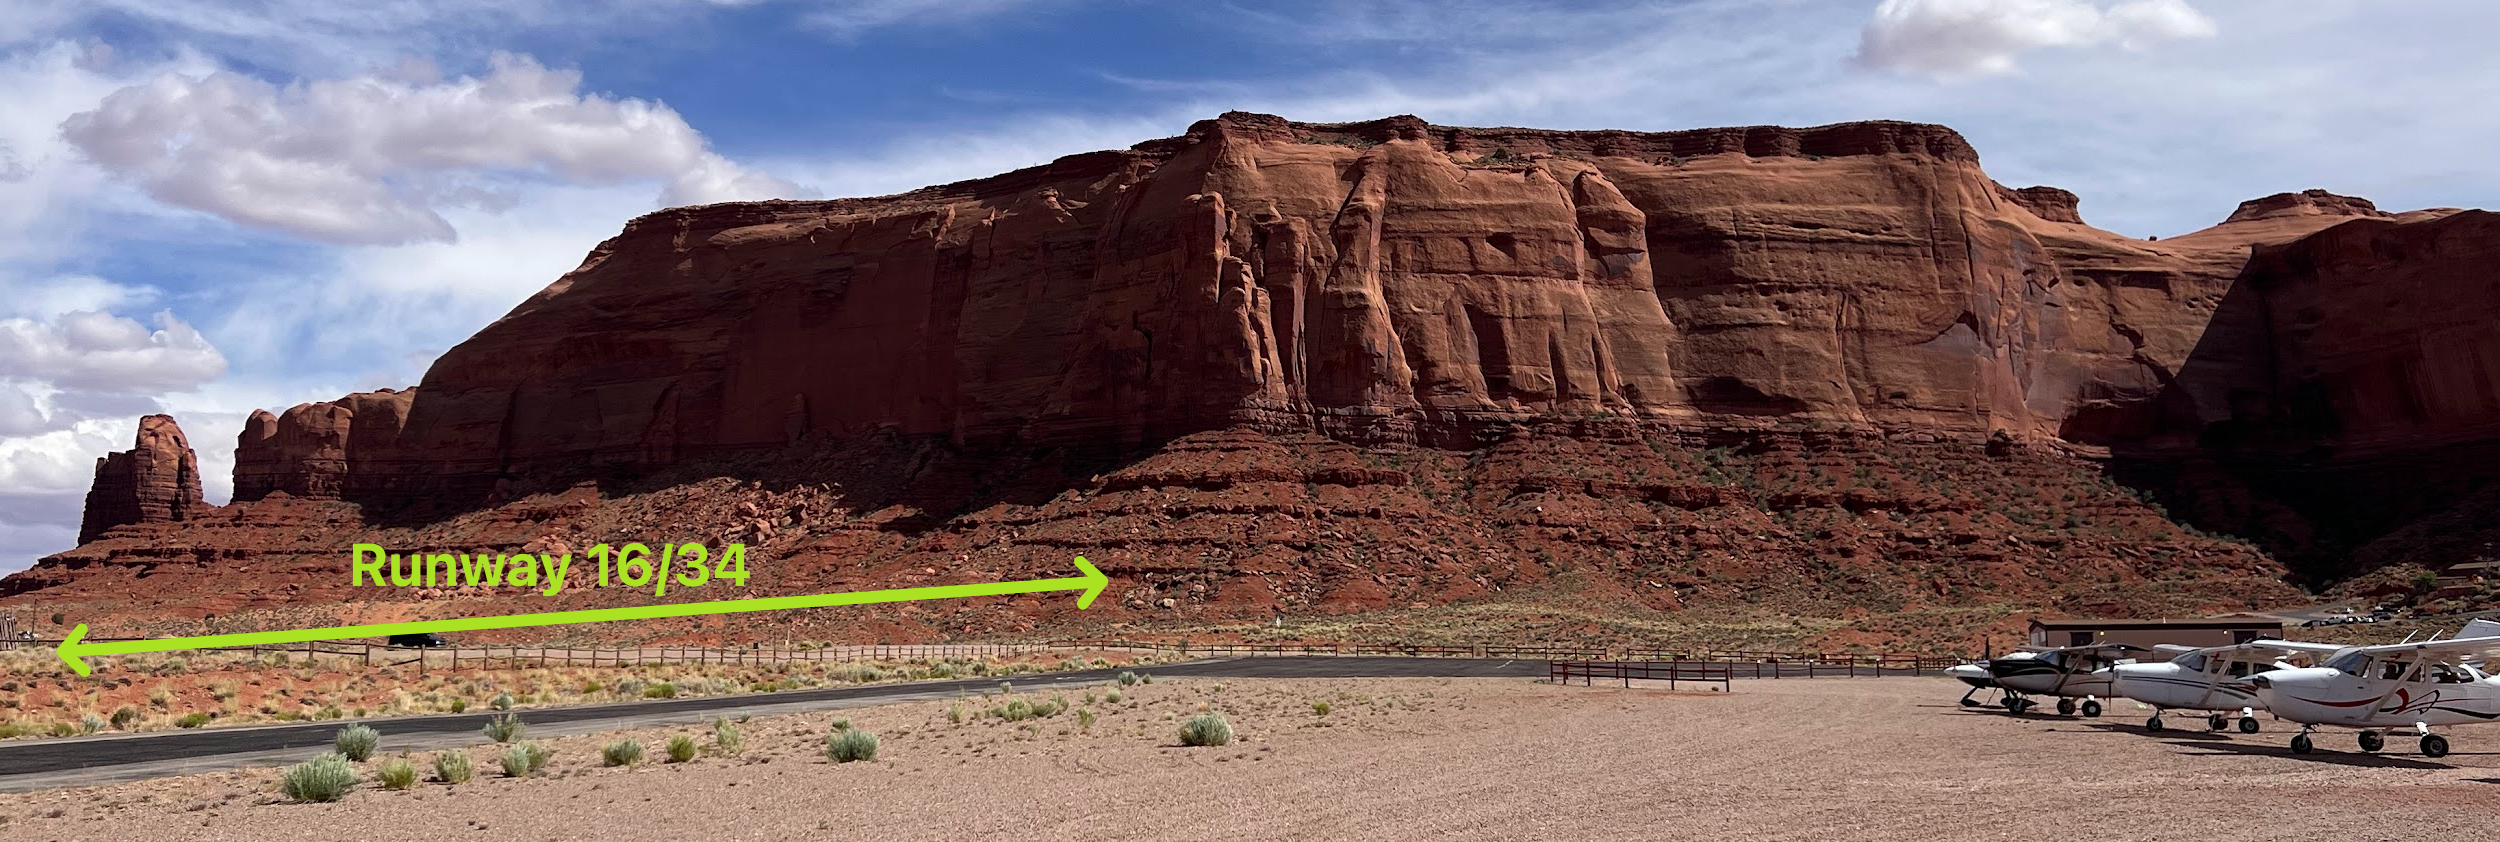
1740 663
1674 674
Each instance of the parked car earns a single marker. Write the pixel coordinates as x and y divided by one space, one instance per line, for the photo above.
428 640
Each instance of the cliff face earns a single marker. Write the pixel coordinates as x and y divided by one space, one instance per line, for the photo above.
312 449
1384 281
156 481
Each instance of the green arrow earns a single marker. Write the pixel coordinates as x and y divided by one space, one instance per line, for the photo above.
1091 583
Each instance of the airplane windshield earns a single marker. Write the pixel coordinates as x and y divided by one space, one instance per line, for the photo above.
2353 663
2192 662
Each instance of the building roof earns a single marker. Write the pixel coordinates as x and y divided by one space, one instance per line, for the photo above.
2245 621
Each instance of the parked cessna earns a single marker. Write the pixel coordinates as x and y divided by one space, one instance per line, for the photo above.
2069 673
2379 689
2204 680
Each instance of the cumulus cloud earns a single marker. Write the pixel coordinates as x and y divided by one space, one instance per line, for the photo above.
1956 38
375 159
102 352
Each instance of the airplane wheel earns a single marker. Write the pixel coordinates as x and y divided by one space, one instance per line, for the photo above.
2434 745
2153 724
2248 725
2013 704
2091 708
2065 707
2301 744
2373 741
2216 723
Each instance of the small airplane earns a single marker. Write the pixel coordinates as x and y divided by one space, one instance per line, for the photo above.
2069 673
2203 679
2379 689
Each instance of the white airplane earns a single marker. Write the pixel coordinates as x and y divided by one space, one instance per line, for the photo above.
2069 673
2378 689
2204 679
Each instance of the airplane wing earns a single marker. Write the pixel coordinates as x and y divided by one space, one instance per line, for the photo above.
2284 647
2100 648
2451 651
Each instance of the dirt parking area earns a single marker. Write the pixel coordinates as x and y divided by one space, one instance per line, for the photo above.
1823 759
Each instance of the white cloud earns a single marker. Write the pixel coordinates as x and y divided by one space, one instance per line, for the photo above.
851 18
20 414
1956 38
108 353
375 160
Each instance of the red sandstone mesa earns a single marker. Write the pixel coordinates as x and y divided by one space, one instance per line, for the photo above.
1394 282
1385 280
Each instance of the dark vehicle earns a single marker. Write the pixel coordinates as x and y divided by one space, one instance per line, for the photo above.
427 640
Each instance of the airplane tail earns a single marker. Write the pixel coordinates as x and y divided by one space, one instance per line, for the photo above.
2478 628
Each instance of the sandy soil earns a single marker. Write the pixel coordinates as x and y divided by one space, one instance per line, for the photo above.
1391 759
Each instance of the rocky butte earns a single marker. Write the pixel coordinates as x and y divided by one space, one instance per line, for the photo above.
1833 375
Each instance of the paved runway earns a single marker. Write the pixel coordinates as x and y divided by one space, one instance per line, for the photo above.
42 764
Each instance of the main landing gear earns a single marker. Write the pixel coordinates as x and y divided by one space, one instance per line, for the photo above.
2213 722
2433 745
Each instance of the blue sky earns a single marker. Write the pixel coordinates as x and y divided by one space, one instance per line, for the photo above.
208 206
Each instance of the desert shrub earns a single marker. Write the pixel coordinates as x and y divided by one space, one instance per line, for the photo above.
1007 688
629 687
452 767
124 717
955 713
356 742
680 748
1206 729
841 723
324 778
1085 718
1320 708
621 753
1128 679
516 760
502 701
191 720
726 739
460 706
1113 697
850 744
1020 709
538 755
90 723
64 729
505 728
397 774
662 690
1148 678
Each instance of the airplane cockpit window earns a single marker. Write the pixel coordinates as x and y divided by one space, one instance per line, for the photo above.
2241 669
2393 670
2445 674
2192 661
2352 664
